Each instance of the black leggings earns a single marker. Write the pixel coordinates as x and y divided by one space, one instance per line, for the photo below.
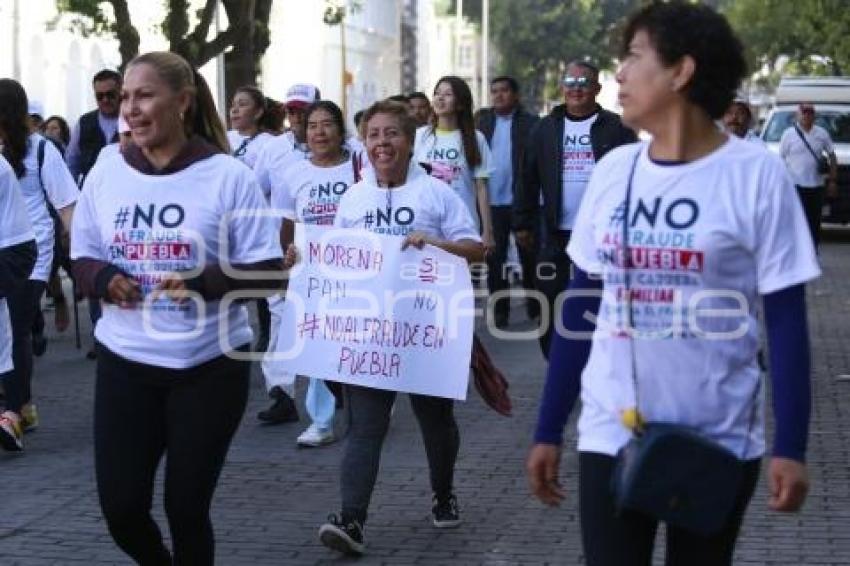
22 303
142 412
628 539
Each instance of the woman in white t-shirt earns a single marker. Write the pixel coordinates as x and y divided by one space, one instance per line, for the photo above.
18 253
40 183
162 236
310 192
434 215
677 242
456 152
251 121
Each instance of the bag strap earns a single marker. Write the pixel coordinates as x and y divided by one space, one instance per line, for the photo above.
805 141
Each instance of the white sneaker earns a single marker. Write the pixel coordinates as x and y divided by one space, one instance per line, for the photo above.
315 436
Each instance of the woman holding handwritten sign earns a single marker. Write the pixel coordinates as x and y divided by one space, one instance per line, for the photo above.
435 215
310 192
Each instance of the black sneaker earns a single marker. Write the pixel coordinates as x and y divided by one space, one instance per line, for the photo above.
283 409
446 514
343 536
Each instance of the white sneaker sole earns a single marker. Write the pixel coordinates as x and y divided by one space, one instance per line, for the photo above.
335 538
447 524
315 442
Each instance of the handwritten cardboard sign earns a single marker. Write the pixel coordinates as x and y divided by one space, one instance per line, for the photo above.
360 310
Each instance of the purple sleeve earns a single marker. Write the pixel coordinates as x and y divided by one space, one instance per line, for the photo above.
790 370
567 358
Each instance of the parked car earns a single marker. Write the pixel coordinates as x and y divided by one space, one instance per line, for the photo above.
831 99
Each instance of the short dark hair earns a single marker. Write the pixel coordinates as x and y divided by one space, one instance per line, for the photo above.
399 98
331 108
512 82
358 117
418 94
744 106
393 108
585 64
677 29
107 75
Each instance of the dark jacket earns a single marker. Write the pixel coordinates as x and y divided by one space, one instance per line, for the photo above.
542 165
92 141
521 127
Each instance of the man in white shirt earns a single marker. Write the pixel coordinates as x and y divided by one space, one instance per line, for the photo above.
807 150
563 148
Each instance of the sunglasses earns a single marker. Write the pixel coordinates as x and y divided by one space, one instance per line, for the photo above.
577 82
807 110
107 95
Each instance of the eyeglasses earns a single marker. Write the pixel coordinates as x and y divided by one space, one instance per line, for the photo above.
577 82
106 95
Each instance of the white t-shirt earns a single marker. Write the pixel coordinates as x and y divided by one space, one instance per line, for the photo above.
711 234
15 228
108 151
311 194
274 158
800 161
246 148
422 203
57 182
577 166
444 152
153 225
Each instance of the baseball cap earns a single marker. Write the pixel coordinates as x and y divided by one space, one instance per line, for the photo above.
35 108
301 95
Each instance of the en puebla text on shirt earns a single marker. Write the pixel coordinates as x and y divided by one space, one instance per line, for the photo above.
443 151
706 236
193 216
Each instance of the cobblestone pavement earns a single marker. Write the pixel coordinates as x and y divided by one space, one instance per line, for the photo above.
273 496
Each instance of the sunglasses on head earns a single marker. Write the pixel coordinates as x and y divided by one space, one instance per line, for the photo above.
577 82
106 95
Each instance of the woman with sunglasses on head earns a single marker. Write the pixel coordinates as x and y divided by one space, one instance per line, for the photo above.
309 192
44 179
164 232
676 243
252 123
456 152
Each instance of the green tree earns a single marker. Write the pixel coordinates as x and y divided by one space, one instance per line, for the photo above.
812 34
246 36
536 38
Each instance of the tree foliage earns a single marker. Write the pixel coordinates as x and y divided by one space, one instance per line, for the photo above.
812 34
246 36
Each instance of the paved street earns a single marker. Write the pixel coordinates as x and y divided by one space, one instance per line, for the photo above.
272 496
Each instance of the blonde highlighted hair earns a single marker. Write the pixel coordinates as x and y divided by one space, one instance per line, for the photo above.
201 117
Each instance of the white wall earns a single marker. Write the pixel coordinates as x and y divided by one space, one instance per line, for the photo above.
56 66
304 49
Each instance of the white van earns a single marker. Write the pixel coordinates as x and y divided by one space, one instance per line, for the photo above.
831 99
